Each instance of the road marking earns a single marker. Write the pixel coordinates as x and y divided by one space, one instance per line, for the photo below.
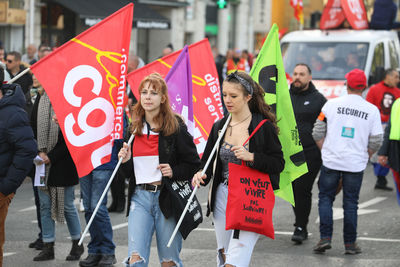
123 225
28 209
9 254
119 226
337 213
378 239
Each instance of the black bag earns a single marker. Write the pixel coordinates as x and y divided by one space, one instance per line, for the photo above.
180 192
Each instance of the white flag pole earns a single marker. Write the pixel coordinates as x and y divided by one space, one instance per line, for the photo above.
19 75
103 195
202 173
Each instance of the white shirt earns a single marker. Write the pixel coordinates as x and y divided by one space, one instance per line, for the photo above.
350 121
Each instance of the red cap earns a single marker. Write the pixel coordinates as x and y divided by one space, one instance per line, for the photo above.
356 79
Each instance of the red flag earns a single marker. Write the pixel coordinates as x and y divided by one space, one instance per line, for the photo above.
332 15
207 105
298 10
85 81
355 13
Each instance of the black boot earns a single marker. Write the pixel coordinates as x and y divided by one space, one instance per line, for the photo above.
76 251
37 244
47 253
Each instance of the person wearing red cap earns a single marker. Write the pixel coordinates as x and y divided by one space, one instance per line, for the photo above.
383 95
348 131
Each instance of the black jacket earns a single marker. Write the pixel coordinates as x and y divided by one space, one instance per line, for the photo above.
179 151
25 81
307 106
265 145
17 145
62 170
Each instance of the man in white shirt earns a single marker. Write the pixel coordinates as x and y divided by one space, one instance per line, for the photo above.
348 131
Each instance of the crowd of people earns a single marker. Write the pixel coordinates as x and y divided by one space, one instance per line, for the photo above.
163 150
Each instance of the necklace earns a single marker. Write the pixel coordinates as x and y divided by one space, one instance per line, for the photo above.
233 125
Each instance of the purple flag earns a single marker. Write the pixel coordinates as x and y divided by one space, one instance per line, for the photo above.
179 81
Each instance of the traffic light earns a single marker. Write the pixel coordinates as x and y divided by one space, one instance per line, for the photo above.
222 3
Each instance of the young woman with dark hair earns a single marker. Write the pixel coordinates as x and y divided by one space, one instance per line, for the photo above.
162 149
244 99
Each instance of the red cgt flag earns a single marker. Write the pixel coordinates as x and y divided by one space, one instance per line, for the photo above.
85 81
207 105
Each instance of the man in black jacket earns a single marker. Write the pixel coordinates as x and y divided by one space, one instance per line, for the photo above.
17 147
307 103
14 67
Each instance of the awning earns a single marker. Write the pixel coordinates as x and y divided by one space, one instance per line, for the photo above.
92 11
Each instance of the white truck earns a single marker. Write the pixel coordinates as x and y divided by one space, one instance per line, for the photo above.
332 53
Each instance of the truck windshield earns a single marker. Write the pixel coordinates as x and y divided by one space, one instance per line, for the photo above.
328 61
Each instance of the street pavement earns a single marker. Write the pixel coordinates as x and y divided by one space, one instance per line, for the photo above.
378 234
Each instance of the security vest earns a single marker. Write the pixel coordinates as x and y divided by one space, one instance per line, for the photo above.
395 121
232 67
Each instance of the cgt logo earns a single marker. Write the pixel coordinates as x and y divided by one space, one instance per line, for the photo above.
111 123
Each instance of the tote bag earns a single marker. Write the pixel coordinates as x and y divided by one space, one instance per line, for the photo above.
251 199
180 192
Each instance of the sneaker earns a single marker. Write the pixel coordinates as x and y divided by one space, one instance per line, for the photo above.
323 244
352 249
299 235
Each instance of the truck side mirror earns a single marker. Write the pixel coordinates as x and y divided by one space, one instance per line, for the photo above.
377 76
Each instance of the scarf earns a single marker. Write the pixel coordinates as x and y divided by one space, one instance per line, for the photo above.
47 137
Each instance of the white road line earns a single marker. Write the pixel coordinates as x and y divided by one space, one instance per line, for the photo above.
378 239
119 226
371 202
28 209
337 213
9 254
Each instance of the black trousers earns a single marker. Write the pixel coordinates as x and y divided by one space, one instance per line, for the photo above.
302 188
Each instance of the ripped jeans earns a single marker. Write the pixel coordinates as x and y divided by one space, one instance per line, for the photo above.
237 250
145 217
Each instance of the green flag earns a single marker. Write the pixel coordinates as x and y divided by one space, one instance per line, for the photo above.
269 72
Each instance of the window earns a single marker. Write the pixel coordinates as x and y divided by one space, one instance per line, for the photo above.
328 61
379 58
393 55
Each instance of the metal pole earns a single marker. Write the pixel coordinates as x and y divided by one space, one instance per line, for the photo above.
103 195
18 75
202 173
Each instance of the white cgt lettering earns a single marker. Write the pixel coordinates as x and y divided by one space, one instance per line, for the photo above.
90 134
75 75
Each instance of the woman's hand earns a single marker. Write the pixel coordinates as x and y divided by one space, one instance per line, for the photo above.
383 160
165 170
242 154
198 179
125 153
44 157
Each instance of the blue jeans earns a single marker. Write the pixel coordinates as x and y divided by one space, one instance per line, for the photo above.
101 234
70 213
145 217
328 183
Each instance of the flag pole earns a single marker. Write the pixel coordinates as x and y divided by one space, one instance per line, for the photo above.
104 194
178 224
19 75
